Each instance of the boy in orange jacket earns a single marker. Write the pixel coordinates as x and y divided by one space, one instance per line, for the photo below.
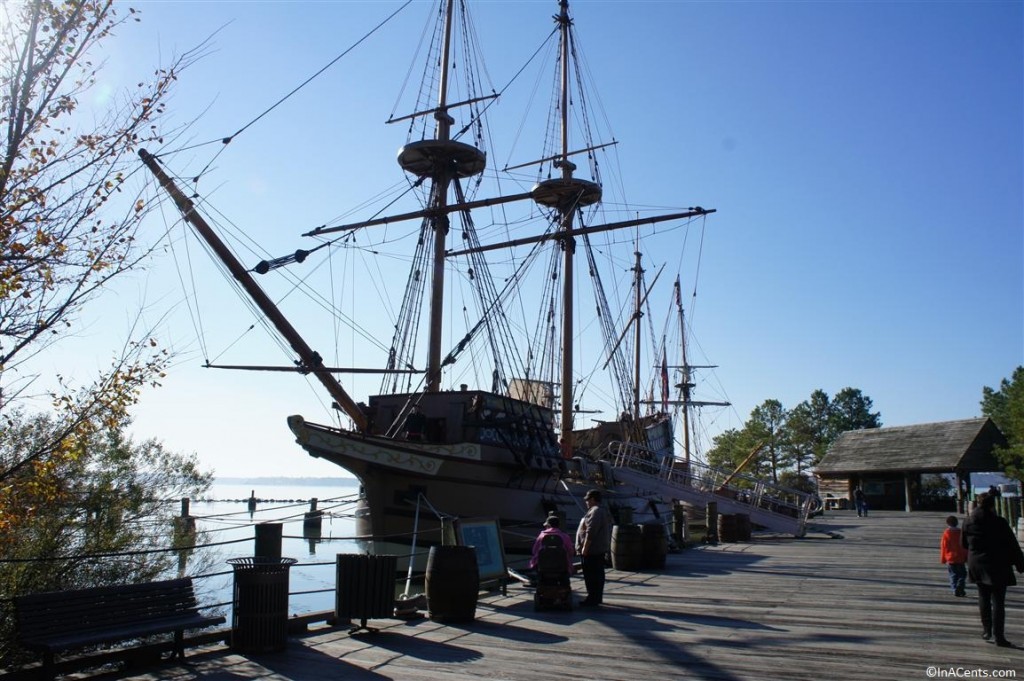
954 556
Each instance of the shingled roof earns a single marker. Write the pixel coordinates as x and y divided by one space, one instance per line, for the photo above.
928 447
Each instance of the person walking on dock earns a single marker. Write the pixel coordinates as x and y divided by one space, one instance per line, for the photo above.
953 555
593 538
861 502
992 553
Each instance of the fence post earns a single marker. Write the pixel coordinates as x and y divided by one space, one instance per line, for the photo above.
311 520
711 511
183 536
680 532
448 532
268 540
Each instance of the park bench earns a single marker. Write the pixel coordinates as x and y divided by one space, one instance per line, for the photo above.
60 621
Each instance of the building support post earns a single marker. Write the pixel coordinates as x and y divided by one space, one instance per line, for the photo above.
963 486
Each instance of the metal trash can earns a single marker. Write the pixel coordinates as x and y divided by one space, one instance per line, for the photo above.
259 619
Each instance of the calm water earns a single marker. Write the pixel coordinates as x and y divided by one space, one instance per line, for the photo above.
226 518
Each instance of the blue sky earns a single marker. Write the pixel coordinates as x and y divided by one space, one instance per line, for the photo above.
865 160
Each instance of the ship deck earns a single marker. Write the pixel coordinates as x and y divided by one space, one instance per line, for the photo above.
855 599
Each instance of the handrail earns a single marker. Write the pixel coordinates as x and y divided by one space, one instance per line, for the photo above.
242 540
760 494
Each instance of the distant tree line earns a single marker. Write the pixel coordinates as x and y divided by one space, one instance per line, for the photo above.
1005 406
790 442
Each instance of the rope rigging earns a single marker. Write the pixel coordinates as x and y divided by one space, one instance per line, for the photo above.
616 356
543 356
224 141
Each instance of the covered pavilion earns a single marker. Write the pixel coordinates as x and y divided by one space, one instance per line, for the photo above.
888 463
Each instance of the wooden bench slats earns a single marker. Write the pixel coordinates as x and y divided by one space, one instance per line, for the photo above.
63 620
54 620
56 613
122 633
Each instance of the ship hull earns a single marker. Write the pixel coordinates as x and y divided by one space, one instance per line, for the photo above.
410 490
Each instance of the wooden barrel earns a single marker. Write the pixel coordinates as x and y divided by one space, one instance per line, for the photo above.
654 546
452 583
727 527
627 547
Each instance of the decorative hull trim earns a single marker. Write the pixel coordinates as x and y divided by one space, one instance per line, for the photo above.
420 459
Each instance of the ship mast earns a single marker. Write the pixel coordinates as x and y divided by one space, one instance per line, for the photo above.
686 384
637 314
441 160
566 195
444 161
439 199
568 243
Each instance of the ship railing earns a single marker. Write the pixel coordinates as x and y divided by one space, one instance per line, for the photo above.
740 488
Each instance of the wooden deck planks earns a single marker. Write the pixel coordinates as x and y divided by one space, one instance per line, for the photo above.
873 604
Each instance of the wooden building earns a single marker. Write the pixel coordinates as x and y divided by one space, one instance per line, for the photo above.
889 464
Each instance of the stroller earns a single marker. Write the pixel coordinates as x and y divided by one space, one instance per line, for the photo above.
553 589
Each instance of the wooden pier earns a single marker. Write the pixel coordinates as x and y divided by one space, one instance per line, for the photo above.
857 598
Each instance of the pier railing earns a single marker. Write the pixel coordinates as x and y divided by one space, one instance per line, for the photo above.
765 500
200 542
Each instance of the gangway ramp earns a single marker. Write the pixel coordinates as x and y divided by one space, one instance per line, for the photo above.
770 505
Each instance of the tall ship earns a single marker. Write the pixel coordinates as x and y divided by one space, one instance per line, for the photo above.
484 410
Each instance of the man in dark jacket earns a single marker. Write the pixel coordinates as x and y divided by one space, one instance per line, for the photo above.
992 553
592 542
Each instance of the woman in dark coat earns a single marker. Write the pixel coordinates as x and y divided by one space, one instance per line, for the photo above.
992 553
